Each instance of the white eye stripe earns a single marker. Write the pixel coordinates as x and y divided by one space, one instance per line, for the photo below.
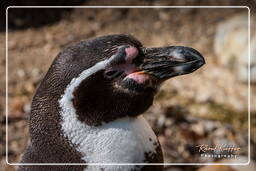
68 94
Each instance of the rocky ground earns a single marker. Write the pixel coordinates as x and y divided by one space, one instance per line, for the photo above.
209 106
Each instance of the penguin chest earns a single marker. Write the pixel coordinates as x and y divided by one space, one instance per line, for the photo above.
126 140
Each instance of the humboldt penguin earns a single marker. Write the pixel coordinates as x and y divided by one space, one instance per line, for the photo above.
88 109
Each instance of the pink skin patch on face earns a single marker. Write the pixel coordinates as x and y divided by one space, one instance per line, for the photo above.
129 68
138 77
131 53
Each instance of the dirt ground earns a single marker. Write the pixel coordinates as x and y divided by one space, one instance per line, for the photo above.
206 107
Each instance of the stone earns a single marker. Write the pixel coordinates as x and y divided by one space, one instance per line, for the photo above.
231 46
16 108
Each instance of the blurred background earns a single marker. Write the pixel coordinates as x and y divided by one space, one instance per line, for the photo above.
209 106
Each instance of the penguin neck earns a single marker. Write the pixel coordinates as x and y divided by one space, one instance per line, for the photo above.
112 140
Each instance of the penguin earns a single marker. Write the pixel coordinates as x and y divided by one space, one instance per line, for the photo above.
89 106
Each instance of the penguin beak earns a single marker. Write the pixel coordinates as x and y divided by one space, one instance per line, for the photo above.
166 62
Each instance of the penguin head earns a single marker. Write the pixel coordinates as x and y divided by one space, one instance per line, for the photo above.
115 76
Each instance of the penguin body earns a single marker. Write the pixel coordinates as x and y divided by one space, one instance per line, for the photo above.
88 107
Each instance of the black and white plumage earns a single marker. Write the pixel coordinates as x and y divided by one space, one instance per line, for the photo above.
88 107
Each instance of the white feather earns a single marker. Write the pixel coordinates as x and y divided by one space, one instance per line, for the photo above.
124 140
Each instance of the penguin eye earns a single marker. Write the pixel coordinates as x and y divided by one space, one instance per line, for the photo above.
112 74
